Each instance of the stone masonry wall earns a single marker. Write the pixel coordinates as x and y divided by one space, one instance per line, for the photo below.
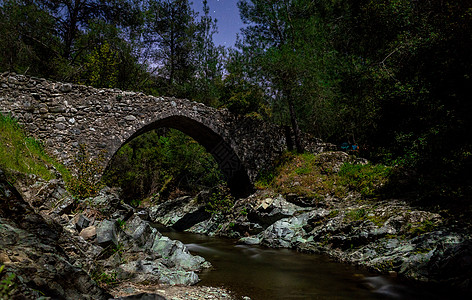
65 115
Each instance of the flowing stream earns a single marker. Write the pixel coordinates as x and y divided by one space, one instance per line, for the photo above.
263 273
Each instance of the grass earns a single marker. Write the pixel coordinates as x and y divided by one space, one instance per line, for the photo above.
24 154
310 176
366 179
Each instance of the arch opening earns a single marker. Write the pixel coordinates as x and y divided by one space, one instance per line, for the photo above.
228 162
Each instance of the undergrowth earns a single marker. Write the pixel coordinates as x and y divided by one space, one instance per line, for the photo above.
25 154
307 175
86 183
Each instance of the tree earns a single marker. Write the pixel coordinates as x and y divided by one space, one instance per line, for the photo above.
58 38
74 17
208 64
270 40
28 42
171 32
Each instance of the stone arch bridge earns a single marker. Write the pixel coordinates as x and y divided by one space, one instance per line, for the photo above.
66 115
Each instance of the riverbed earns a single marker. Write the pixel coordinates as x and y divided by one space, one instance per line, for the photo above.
263 273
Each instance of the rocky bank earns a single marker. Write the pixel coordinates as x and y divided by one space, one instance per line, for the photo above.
58 248
387 236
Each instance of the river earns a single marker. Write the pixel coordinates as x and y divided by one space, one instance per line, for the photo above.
262 273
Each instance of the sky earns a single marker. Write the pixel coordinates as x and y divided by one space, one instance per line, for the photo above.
227 14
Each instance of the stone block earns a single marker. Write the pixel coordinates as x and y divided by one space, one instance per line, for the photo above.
106 233
82 222
89 233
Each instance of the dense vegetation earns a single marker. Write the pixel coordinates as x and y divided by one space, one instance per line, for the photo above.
317 176
21 153
392 76
162 162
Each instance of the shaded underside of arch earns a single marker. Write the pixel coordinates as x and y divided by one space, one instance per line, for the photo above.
228 161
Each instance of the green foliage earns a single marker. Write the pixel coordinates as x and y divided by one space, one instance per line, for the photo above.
266 177
160 163
312 176
25 154
393 76
306 176
27 41
121 224
356 214
367 179
7 283
86 182
94 42
172 27
103 278
221 201
101 66
420 228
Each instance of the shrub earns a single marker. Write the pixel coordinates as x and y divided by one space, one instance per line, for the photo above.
221 200
7 284
86 183
366 179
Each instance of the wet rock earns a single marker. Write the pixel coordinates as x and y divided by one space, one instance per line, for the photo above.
141 232
250 240
271 210
285 233
153 271
209 227
180 213
177 254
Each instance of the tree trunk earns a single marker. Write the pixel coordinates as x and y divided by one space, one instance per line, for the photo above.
293 120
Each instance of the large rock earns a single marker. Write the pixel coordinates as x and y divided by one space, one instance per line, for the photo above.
141 231
180 213
153 271
285 233
177 254
270 210
33 250
107 233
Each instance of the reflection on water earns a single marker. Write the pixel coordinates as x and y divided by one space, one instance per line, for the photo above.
262 273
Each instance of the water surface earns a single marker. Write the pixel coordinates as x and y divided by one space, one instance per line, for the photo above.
263 273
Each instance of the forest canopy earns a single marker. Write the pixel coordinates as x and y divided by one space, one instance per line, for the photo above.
391 76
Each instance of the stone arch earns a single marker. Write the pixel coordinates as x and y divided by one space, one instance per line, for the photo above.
65 115
228 161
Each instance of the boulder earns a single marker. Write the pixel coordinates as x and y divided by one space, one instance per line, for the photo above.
285 233
270 210
177 254
141 231
106 233
153 271
180 213
89 233
82 222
